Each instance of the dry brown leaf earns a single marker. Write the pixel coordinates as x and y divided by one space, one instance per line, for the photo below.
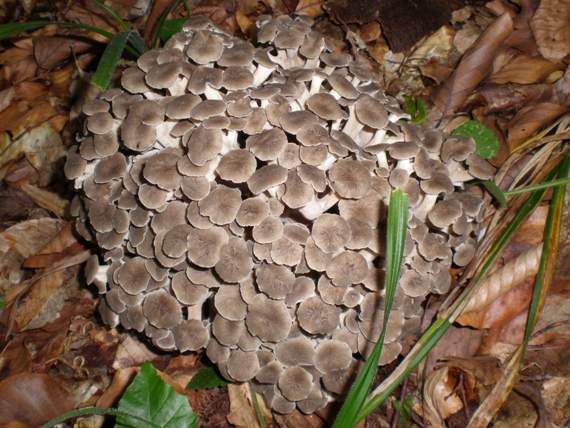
43 297
556 396
313 8
504 279
242 412
485 369
438 401
247 6
246 25
551 28
432 54
33 398
530 120
46 199
63 245
519 67
30 236
121 380
474 67
553 323
50 52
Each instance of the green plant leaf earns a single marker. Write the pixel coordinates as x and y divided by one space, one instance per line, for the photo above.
113 14
396 239
151 398
404 408
494 190
415 108
156 35
171 27
207 377
8 30
487 143
109 59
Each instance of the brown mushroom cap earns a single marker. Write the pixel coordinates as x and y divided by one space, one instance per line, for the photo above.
269 230
190 335
295 352
268 319
221 205
317 317
205 47
187 292
266 177
295 383
350 179
242 366
252 212
229 304
237 165
347 268
162 310
204 246
330 232
133 276
331 355
234 264
227 332
275 281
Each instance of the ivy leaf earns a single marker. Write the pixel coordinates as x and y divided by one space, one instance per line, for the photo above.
149 397
487 143
207 377
415 108
404 408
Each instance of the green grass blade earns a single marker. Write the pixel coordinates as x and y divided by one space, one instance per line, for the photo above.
440 326
545 185
257 408
8 30
113 14
396 239
137 42
109 59
156 34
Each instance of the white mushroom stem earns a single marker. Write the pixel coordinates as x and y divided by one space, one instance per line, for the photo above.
88 172
195 311
179 88
382 160
229 142
353 126
163 135
261 74
427 204
458 173
318 206
212 94
316 84
406 164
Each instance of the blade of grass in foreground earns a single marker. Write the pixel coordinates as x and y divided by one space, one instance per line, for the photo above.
482 417
396 239
109 59
434 333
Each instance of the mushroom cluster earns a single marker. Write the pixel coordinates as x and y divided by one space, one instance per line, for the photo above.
238 194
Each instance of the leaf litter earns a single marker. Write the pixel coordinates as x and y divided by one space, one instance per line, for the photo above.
503 65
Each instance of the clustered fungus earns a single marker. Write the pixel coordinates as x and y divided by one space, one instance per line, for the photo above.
238 193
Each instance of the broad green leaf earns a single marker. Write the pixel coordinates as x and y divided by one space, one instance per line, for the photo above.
494 190
151 398
170 27
396 239
207 377
109 59
487 143
404 408
415 108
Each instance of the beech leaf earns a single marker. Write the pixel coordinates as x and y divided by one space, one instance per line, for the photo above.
207 377
149 397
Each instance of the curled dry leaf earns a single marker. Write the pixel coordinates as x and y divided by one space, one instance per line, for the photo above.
504 279
313 8
30 236
530 119
551 28
474 67
439 400
522 68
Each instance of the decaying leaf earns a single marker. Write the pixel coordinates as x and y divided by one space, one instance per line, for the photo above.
503 279
530 120
551 28
30 236
519 67
313 8
474 67
439 400
242 412
33 399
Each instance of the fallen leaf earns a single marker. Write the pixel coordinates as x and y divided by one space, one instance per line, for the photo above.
530 120
47 199
313 8
486 369
247 6
18 65
39 299
33 399
520 67
551 28
30 236
51 52
440 401
242 412
474 67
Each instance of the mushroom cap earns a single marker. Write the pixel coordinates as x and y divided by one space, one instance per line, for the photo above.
204 246
347 268
229 304
350 179
221 205
162 310
242 366
133 276
205 47
186 292
268 144
227 332
326 107
266 177
190 335
234 264
268 319
295 383
444 213
371 112
204 144
330 232
269 230
295 352
318 317
275 281
332 355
